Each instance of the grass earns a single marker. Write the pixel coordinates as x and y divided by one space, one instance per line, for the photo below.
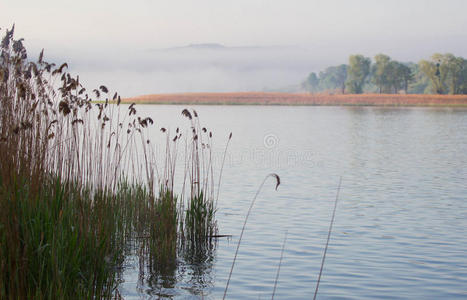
80 186
57 244
263 98
278 182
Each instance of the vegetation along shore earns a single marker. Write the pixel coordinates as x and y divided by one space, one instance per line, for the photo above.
81 188
438 81
263 98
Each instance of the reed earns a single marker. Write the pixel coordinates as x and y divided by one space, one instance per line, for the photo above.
200 226
276 98
164 231
276 280
57 243
278 182
75 191
331 223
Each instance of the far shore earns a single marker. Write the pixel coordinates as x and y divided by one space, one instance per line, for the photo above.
269 98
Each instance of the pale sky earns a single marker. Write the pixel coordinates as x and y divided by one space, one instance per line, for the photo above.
124 38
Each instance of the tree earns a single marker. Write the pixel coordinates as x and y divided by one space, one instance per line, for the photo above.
431 70
340 76
420 84
380 71
398 76
446 73
358 70
407 76
311 84
441 74
454 73
334 78
463 76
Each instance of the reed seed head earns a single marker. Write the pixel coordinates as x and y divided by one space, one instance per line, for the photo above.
104 89
187 114
278 179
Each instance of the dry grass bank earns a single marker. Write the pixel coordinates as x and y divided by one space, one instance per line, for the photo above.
262 98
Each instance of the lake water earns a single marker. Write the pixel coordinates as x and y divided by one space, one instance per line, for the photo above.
400 228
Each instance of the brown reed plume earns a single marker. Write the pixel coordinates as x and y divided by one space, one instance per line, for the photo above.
79 182
61 175
200 225
278 182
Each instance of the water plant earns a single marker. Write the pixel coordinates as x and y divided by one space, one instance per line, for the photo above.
276 280
75 192
278 182
200 227
325 98
328 238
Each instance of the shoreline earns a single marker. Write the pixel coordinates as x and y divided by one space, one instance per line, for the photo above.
290 99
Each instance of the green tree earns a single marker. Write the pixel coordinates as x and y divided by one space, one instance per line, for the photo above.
357 72
398 76
431 70
463 76
446 73
334 78
380 72
455 69
311 84
407 76
420 84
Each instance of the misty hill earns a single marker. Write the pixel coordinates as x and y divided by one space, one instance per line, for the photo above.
218 46
203 67
202 46
217 67
206 46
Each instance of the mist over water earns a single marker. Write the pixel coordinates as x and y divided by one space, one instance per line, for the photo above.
199 69
215 67
142 46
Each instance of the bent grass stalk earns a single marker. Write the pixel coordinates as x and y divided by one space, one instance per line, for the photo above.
278 182
279 267
327 241
222 167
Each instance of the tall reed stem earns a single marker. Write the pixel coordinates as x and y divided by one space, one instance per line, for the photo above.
279 267
329 236
278 181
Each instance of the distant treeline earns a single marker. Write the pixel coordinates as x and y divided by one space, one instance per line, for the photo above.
441 74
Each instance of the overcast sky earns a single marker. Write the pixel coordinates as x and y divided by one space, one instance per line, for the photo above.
275 43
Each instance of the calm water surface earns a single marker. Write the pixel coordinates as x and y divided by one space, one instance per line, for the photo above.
400 228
